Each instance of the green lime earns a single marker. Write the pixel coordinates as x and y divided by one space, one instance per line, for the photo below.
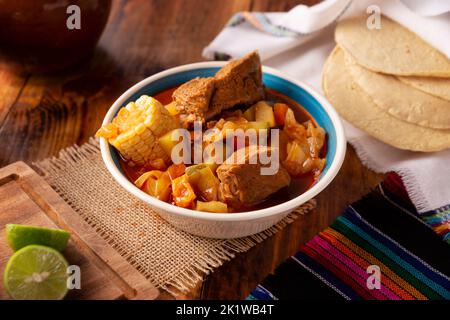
20 236
36 273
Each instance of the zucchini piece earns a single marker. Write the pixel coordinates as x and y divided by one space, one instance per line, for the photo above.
167 143
196 167
249 114
264 113
202 178
257 125
212 206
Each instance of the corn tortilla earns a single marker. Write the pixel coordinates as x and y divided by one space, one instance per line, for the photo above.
400 99
438 87
358 108
392 49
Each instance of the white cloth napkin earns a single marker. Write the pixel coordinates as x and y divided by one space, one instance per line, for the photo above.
298 42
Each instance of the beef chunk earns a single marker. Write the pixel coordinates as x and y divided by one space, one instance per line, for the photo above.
243 185
192 98
238 82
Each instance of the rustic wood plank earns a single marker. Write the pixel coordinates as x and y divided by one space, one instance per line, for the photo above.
167 35
25 198
12 83
54 113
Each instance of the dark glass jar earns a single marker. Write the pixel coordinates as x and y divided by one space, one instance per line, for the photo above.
34 33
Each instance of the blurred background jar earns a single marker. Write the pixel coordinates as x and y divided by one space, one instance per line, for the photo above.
34 34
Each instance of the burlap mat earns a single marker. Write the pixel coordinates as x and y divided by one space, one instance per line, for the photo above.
171 259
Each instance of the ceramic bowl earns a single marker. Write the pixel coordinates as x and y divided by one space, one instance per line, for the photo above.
231 225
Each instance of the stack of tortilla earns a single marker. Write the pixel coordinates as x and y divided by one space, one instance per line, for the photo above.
391 84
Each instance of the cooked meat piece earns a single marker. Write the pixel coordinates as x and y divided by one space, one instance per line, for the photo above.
243 185
193 97
238 82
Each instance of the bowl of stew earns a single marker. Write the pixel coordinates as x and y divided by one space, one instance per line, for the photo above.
303 135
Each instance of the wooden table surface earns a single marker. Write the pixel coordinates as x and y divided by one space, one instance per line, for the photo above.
39 115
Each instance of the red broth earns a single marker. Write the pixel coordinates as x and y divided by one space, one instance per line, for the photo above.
298 184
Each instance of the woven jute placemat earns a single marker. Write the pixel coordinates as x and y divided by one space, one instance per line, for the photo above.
170 258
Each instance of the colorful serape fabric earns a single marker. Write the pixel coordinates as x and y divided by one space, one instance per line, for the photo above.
438 220
378 249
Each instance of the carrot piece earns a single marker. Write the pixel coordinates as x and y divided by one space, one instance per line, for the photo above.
176 170
182 192
279 110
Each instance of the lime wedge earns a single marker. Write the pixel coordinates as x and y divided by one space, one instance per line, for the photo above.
20 236
36 273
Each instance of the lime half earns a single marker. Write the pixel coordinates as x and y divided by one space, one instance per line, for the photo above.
20 236
36 273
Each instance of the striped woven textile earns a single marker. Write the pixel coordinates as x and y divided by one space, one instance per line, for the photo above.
438 220
378 249
260 21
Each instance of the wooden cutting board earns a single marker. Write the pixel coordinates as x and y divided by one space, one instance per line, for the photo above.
26 198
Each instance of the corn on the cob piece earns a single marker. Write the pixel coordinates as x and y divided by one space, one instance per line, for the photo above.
136 129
